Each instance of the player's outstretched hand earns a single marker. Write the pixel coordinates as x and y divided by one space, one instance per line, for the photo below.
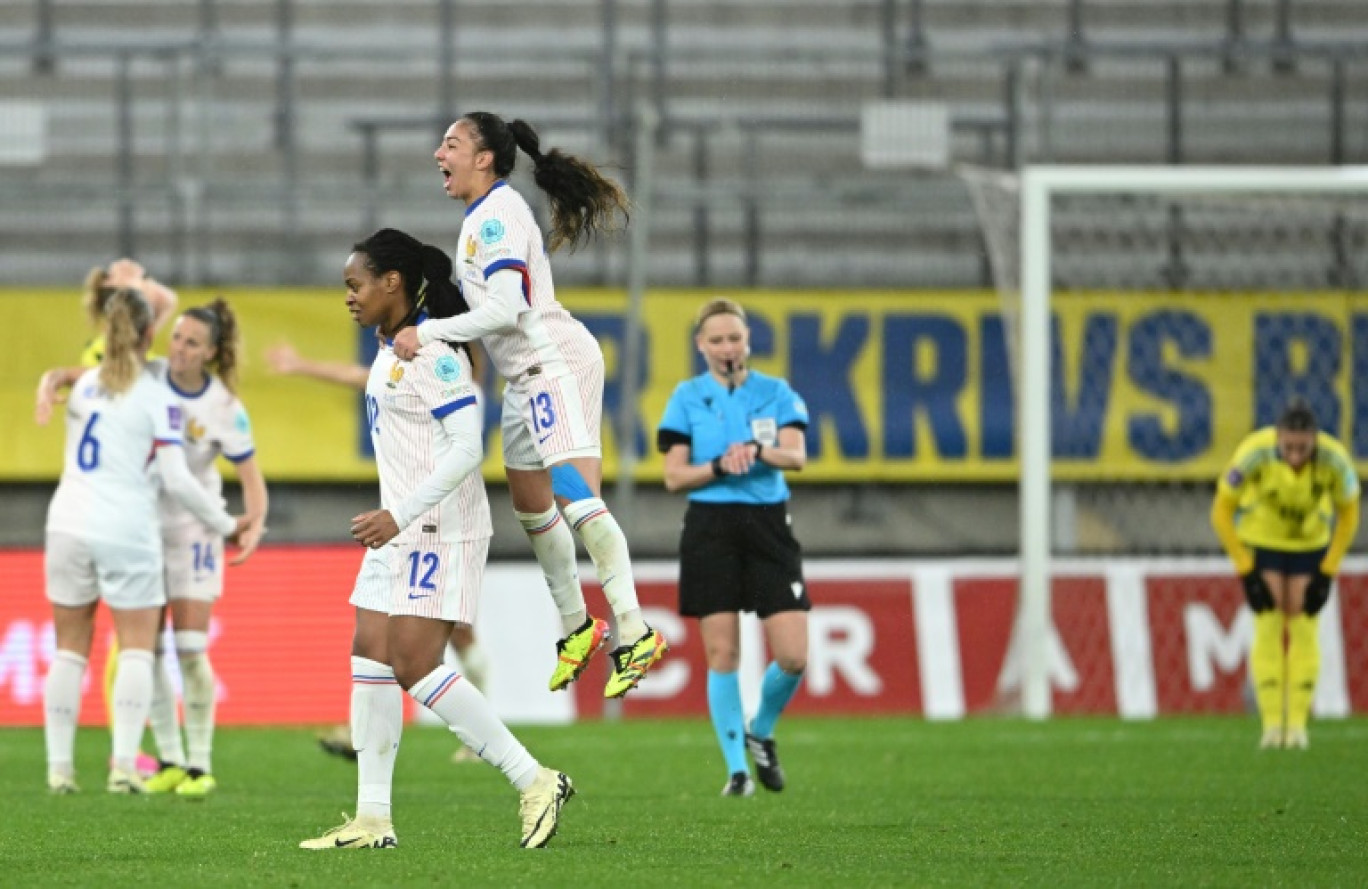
406 343
283 359
374 529
49 394
248 539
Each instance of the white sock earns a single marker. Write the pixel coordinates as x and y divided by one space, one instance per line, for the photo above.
475 665
554 547
607 546
462 707
377 723
162 716
132 700
61 709
197 679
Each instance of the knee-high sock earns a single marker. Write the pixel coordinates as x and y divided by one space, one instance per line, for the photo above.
775 692
61 709
554 547
377 723
607 547
1268 667
462 707
132 700
728 719
162 716
1303 667
200 695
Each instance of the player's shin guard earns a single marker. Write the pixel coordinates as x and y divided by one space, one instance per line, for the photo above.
461 706
197 676
1303 667
61 709
607 547
162 716
554 547
132 701
1267 668
377 723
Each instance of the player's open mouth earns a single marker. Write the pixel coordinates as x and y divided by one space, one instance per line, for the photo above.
446 176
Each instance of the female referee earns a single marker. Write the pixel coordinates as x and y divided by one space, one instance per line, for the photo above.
727 436
1283 482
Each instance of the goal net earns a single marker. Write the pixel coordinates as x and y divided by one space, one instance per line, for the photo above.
1155 316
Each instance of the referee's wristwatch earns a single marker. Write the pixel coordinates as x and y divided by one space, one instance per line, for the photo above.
717 469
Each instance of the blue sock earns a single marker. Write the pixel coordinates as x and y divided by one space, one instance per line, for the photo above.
728 719
775 693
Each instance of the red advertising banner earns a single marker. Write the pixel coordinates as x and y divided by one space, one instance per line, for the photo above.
279 641
1136 638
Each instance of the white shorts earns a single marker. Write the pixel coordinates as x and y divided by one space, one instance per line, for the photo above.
194 562
547 420
440 581
81 571
373 581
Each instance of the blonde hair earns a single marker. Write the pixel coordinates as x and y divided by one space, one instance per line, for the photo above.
719 306
127 318
95 294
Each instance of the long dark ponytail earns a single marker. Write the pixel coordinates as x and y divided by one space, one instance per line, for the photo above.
584 203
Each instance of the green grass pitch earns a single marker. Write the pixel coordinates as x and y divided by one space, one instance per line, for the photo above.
871 802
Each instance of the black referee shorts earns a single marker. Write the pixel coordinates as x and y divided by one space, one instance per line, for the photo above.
740 557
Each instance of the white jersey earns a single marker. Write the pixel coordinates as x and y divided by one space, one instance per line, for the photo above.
499 232
106 492
405 402
215 423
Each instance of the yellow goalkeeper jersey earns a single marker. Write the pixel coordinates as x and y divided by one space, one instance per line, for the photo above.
1285 510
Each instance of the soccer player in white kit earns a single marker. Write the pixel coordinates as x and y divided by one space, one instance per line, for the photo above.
284 359
201 370
553 368
103 538
433 530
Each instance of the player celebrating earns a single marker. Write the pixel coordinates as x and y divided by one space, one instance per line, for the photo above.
434 528
102 537
201 369
284 359
728 435
553 368
1283 481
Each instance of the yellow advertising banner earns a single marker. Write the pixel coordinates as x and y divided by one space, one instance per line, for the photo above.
901 386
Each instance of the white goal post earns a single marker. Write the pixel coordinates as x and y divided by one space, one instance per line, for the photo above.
1038 185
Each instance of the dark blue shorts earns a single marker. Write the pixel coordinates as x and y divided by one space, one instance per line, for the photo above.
1290 563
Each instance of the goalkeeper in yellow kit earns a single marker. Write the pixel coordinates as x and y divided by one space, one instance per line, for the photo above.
1286 510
